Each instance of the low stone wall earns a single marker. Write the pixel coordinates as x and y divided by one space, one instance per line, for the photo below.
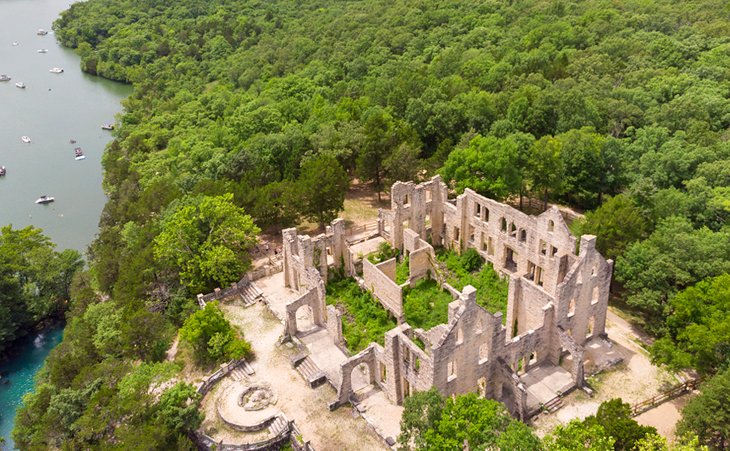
213 379
206 442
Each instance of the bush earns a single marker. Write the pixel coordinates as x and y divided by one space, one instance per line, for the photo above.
212 337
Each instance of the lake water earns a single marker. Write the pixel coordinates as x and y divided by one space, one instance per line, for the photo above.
51 110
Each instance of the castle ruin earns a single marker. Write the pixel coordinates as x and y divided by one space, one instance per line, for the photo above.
557 301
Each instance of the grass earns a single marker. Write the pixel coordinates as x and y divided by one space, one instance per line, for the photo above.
364 320
426 305
470 269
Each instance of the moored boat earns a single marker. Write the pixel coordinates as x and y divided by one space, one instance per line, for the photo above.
79 154
41 32
3 171
56 70
4 77
45 199
25 139
109 126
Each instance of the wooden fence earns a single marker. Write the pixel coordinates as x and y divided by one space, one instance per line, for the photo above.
664 396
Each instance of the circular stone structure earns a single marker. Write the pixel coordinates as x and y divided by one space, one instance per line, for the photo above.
247 407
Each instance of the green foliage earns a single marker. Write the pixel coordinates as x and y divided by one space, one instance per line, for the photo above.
34 281
698 328
426 304
385 252
364 320
402 271
708 415
178 408
674 257
432 422
212 337
207 239
577 435
491 289
322 186
617 223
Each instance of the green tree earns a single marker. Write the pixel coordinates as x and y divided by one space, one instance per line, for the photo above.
432 422
615 418
697 335
545 167
576 436
487 165
674 257
207 239
178 408
322 186
212 337
617 223
708 415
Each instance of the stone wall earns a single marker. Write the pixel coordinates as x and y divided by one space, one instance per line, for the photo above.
380 280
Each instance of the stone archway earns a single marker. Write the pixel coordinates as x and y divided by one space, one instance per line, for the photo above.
304 318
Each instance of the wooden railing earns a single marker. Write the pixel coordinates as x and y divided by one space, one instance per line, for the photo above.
664 396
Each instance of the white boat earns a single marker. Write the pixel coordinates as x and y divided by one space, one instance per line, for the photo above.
56 70
4 77
41 32
42 50
15 43
25 139
107 127
79 154
3 171
20 85
45 199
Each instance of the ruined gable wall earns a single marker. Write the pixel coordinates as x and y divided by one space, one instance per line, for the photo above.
582 298
378 280
525 305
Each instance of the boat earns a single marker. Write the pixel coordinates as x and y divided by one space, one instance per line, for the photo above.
2 171
20 85
25 139
45 199
56 70
4 77
72 141
15 43
41 32
42 50
107 127
79 154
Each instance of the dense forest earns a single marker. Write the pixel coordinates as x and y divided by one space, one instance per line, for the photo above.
250 115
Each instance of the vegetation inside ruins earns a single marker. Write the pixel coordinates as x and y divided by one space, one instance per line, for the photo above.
402 271
469 268
385 252
551 99
426 304
364 320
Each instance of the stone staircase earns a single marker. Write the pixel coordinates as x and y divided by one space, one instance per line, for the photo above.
238 374
249 294
553 405
309 370
278 426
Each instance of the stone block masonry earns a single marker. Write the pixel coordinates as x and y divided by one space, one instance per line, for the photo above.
557 302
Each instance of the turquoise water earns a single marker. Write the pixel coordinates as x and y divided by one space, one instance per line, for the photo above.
20 371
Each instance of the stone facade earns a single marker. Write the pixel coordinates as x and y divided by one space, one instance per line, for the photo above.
558 297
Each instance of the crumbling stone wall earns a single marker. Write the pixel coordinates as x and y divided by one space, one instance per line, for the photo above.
314 299
380 281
